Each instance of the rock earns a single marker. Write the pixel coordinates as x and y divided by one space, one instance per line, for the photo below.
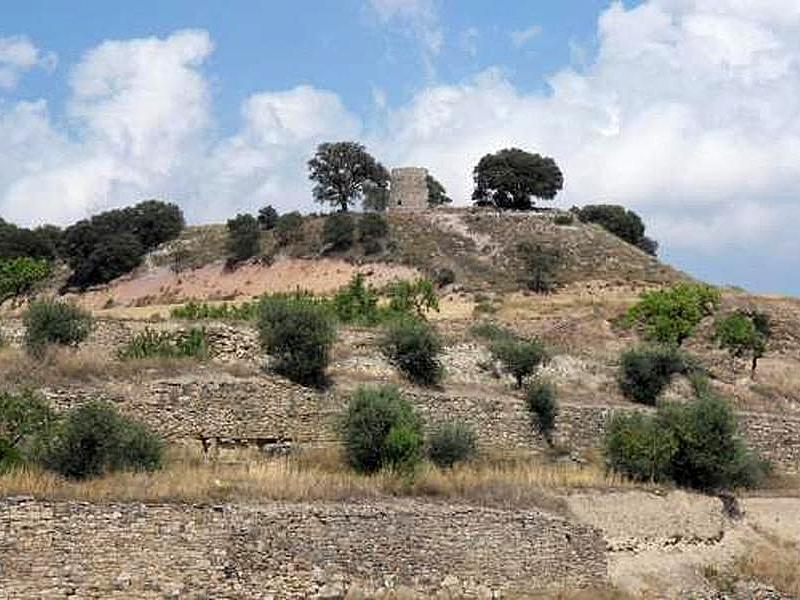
331 591
122 582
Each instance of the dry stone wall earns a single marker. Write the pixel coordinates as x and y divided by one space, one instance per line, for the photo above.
53 550
269 411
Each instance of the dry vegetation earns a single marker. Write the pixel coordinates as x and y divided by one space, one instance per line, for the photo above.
246 476
776 563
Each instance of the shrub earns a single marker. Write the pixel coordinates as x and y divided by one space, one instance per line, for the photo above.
111 243
444 276
19 275
741 333
413 347
670 315
617 220
492 332
288 228
694 444
519 358
413 297
39 243
24 417
452 442
564 219
244 237
95 439
357 302
267 218
166 344
540 398
246 311
539 267
54 322
381 430
338 233
372 230
299 335
646 371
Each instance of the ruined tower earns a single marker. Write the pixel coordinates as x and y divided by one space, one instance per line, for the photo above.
409 190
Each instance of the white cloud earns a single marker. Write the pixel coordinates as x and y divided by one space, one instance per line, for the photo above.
525 36
469 41
419 18
17 55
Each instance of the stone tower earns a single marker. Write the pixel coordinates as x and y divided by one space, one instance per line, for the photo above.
409 189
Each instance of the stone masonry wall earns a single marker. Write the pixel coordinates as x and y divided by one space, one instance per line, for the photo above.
53 550
267 410
409 190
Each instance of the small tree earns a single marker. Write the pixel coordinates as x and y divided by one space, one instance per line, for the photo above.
267 217
540 265
95 439
519 358
299 334
413 346
670 315
341 171
741 334
54 322
339 231
413 297
372 230
244 237
452 442
24 417
381 430
437 195
20 275
509 178
288 228
541 400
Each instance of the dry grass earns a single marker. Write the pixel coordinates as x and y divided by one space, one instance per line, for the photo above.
776 563
64 366
318 476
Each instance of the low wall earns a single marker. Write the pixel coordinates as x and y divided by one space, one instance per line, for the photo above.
50 550
270 410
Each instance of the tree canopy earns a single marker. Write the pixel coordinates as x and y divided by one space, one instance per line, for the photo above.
623 223
437 195
342 171
508 179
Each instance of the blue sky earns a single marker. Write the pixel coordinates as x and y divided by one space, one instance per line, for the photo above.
687 111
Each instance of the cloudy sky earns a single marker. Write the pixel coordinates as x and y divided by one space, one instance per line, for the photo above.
688 111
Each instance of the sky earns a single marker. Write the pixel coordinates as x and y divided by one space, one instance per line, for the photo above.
686 111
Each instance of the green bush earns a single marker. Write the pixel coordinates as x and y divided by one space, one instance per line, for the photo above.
112 243
540 398
540 267
741 334
413 347
339 231
299 334
244 237
564 219
167 344
196 311
20 275
413 297
381 430
617 220
54 322
670 315
267 218
372 231
95 439
25 419
695 445
520 358
357 302
646 371
39 243
492 332
444 276
288 228
452 442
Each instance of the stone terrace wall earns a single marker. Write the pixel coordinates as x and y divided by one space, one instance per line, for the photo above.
49 550
268 410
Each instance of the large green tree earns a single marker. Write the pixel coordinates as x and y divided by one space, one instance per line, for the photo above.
343 171
437 195
508 179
